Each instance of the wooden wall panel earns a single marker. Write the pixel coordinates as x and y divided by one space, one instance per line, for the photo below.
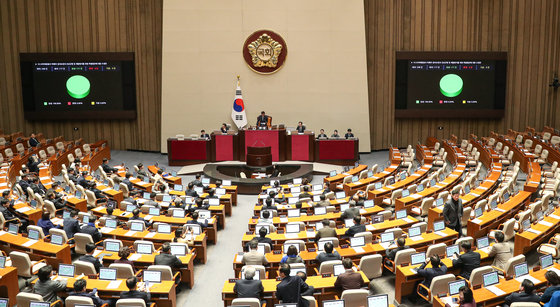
85 26
528 30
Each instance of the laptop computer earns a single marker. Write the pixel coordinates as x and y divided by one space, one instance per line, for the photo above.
178 250
166 198
142 248
178 213
520 270
13 228
401 214
292 200
2 262
419 188
439 202
332 173
56 239
478 212
378 218
417 258
380 300
546 261
178 187
164 228
130 208
112 246
343 207
107 274
66 270
387 237
454 286
151 276
482 242
378 185
226 183
294 271
333 303
439 226
405 193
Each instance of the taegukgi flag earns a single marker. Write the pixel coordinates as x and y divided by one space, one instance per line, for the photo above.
238 111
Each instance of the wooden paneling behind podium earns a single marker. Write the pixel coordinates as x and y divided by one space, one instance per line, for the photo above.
528 30
85 26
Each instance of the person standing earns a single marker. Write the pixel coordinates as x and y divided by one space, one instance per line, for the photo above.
290 288
453 212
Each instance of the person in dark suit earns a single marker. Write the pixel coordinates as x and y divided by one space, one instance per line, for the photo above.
124 252
204 135
305 193
349 134
58 202
554 282
335 134
310 289
32 165
453 212
351 212
71 225
133 293
262 120
142 173
196 181
107 168
196 222
224 129
262 237
268 204
322 134
33 142
72 175
45 223
91 230
90 248
136 217
326 231
83 181
349 279
467 261
290 288
46 287
165 257
128 183
358 227
400 246
80 290
24 183
190 190
248 287
300 127
437 269
526 294
328 254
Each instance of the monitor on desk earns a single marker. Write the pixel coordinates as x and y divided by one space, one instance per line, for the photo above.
153 211
402 176
357 241
390 181
439 226
226 183
294 271
39 304
405 193
178 187
142 248
340 195
401 214
220 191
164 228
546 261
332 173
4 302
137 226
33 234
320 210
333 303
478 212
78 194
2 262
56 239
490 279
205 181
369 203
355 179
259 226
151 276
146 195
33 204
378 185
506 196
387 237
214 201
199 190
111 223
482 242
166 198
65 214
454 286
66 270
494 204
451 250
107 274
433 182
317 187
85 219
520 269
439 202
417 258
294 190
414 231
294 213
13 228
285 305
343 207
112 246
467 189
297 181
318 225
292 228
380 300
378 218
370 174
348 223
526 224
130 208
338 269
419 188
178 213
292 200
197 229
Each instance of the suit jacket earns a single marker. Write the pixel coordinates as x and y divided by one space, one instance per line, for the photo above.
452 212
137 294
95 261
521 297
321 135
191 193
430 273
197 183
350 213
324 256
325 232
349 280
33 167
349 135
8 215
71 226
248 288
205 136
167 259
48 289
108 169
305 195
355 229
46 225
289 291
323 203
265 240
128 184
92 230
254 258
501 253
547 295
33 142
467 262
300 129
262 120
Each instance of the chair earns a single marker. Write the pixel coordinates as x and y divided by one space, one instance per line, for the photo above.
550 248
301 244
508 268
132 302
402 256
355 297
73 300
166 273
124 270
112 241
423 226
345 180
436 249
91 199
137 221
124 188
476 275
311 300
81 240
24 299
424 208
439 285
326 267
525 304
334 241
60 232
25 267
246 302
397 232
371 265
466 214
374 168
363 174
394 195
37 228
84 267
463 239
50 208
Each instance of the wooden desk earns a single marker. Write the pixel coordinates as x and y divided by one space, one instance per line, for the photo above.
533 177
8 284
454 154
37 250
332 181
386 191
171 179
187 151
353 187
491 219
528 240
337 151
519 153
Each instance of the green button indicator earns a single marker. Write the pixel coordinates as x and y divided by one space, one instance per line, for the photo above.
451 85
78 86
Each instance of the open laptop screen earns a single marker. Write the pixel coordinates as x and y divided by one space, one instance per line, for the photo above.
381 300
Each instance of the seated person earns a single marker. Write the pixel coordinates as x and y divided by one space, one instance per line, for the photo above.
166 258
438 268
211 194
204 135
181 236
45 223
196 222
90 248
136 217
466 298
128 183
80 290
323 202
101 198
266 218
268 204
349 134
33 165
349 279
197 182
468 261
33 142
124 252
190 190
326 188
335 134
310 289
351 212
108 169
263 120
328 254
500 251
178 203
58 202
356 228
400 246
46 287
71 225
91 230
300 127
152 201
291 256
326 231
262 237
248 287
133 293
142 173
305 193
321 134
526 294
554 285
7 210
224 129
254 257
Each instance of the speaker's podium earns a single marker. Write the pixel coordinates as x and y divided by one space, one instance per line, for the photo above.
273 138
259 156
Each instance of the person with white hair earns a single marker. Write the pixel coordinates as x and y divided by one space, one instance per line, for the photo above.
248 287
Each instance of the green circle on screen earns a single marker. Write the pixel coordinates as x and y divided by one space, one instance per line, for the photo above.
78 86
451 85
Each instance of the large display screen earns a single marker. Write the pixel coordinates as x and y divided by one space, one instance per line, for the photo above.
78 86
450 84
